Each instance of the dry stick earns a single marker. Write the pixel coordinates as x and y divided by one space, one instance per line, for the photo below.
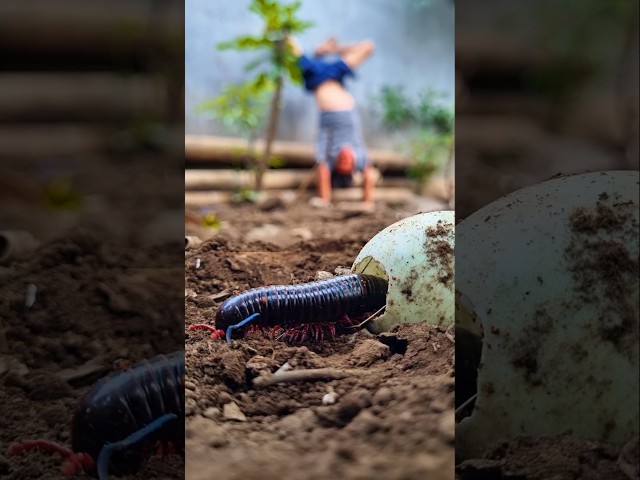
303 375
465 404
373 315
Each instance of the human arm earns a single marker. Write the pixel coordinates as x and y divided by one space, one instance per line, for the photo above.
353 54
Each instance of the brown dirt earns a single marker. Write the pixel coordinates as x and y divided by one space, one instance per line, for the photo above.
392 418
559 457
101 301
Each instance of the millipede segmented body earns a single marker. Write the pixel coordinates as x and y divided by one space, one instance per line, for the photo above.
312 304
123 418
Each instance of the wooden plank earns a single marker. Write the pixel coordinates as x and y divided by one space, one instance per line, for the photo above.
110 29
276 179
80 96
53 140
200 199
224 150
482 51
495 134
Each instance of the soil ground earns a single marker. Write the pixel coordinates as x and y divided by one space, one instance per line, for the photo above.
96 295
391 418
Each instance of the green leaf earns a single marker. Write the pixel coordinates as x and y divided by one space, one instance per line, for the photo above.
255 63
247 42
276 162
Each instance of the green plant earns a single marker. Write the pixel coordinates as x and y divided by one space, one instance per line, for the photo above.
431 154
581 40
246 106
428 126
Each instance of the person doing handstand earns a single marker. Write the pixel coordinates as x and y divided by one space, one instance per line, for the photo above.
340 149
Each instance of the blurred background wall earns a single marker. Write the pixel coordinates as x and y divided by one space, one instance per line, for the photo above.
414 49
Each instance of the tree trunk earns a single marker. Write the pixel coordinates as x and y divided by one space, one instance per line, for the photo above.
272 129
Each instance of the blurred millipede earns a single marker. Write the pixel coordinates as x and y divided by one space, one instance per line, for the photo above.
122 418
302 310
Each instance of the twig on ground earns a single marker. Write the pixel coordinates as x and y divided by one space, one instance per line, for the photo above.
303 375
450 335
460 410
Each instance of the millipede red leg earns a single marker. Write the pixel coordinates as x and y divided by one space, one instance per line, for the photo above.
73 462
215 333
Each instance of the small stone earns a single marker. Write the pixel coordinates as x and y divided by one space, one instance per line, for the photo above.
321 275
212 412
340 270
329 398
231 411
189 385
302 233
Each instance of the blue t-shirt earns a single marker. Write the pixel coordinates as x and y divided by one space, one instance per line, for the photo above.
316 71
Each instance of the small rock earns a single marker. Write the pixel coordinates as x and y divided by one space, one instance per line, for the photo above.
263 233
212 413
189 385
190 293
288 197
340 270
321 275
231 411
330 398
259 364
317 202
302 232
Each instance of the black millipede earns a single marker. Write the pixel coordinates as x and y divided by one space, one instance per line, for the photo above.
301 309
122 418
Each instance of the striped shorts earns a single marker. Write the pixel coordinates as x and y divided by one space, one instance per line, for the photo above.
339 129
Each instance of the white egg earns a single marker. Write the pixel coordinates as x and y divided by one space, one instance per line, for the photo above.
416 256
550 273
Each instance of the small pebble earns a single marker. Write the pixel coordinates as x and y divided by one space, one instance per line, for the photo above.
231 411
212 412
189 385
32 291
322 275
329 398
